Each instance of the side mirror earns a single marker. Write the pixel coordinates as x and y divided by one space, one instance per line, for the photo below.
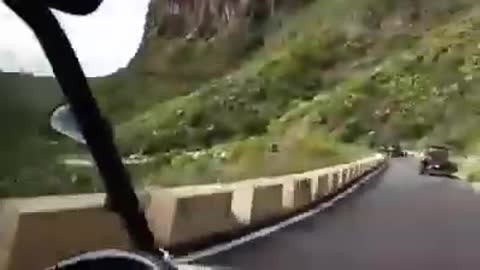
63 121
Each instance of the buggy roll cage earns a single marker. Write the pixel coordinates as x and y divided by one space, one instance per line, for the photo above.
96 130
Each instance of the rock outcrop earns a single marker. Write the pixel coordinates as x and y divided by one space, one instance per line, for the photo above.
204 19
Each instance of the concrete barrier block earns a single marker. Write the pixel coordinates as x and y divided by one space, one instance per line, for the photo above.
252 204
360 169
320 184
50 229
160 213
314 194
181 216
335 178
201 216
323 187
9 217
344 176
354 172
350 174
364 168
297 193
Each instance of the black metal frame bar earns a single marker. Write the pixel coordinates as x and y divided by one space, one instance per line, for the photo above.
95 128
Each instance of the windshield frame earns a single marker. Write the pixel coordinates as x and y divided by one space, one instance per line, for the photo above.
95 128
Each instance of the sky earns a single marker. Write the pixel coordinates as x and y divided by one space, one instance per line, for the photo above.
104 41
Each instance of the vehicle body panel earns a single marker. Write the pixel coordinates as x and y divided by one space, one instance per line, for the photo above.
435 161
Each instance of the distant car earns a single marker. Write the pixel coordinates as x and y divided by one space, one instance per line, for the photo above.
395 150
435 161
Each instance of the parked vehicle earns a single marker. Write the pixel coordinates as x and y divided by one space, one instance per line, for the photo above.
435 161
395 150
383 149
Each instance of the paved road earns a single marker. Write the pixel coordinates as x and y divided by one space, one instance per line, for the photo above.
399 221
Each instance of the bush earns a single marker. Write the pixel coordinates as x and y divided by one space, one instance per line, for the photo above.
474 177
300 148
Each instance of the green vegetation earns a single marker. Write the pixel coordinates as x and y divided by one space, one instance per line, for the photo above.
310 89
165 68
300 148
27 145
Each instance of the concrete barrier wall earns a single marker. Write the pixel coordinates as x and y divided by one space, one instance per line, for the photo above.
324 187
43 230
297 193
180 216
320 185
8 225
335 180
56 227
255 204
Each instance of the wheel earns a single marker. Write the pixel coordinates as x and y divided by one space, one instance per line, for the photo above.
422 169
454 168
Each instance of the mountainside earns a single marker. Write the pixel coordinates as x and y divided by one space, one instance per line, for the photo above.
326 44
209 18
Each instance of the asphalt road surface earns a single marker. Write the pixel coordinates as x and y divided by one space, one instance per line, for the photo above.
399 221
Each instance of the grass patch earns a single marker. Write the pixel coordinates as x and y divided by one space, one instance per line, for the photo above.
300 149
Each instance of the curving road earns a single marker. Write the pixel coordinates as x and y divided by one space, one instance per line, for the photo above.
399 221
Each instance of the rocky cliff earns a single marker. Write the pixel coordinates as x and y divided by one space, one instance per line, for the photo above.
194 19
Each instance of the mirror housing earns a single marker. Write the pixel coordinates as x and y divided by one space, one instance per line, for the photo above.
63 121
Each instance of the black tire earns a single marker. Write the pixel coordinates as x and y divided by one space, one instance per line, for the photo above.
422 169
453 168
